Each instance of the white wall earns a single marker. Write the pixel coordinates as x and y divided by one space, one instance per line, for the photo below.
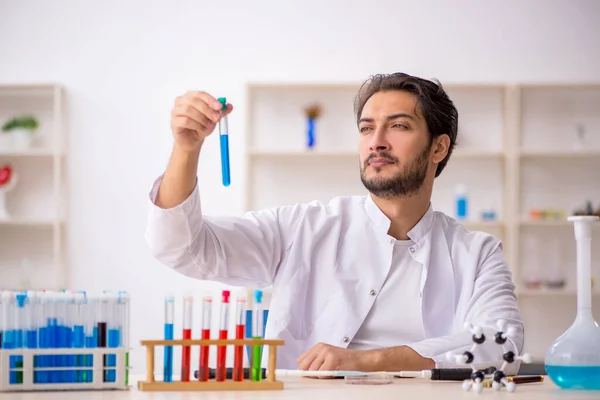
123 63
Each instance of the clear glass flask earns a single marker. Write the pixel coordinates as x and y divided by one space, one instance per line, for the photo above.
573 360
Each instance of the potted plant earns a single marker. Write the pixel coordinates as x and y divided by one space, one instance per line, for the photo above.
21 129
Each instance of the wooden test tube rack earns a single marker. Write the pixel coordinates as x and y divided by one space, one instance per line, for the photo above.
270 383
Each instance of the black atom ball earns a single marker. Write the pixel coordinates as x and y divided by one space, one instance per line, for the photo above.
477 376
498 375
499 338
479 340
470 357
509 357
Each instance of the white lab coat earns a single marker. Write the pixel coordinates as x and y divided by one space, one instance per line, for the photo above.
324 261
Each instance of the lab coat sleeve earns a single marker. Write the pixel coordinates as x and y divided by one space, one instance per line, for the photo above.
237 251
493 299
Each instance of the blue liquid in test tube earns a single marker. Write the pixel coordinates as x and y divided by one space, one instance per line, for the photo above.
169 332
224 138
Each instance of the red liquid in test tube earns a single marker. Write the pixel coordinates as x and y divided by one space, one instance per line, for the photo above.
203 373
187 334
240 327
221 372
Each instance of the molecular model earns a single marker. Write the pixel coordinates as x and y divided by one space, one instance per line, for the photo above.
497 376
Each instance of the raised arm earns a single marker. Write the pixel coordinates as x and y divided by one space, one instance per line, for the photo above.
193 118
233 250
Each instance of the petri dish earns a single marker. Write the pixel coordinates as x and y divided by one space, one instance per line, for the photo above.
375 379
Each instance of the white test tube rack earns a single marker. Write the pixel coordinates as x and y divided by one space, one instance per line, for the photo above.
97 383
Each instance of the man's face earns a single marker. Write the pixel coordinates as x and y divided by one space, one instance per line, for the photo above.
394 145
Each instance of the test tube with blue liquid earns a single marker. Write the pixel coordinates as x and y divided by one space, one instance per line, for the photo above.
114 337
169 332
79 334
31 325
91 305
224 138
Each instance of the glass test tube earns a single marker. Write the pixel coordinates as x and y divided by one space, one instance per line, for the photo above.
204 372
102 329
90 307
257 328
240 326
123 315
115 329
168 350
61 336
224 138
221 372
79 333
32 326
188 302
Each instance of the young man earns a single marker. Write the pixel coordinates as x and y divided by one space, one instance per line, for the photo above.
377 282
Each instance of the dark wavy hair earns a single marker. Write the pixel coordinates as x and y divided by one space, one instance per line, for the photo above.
441 116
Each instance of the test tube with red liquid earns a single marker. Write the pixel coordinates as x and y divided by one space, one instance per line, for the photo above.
221 372
240 327
188 302
204 371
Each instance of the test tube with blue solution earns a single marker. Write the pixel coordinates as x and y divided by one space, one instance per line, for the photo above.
115 327
224 138
169 332
79 334
33 324
91 305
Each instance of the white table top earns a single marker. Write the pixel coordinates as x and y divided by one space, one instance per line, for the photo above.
326 389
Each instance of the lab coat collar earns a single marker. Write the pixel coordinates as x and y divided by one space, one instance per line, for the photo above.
381 221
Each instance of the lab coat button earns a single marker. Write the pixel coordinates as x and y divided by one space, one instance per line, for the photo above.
372 292
412 249
345 339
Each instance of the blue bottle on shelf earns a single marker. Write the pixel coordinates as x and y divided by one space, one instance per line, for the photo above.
462 202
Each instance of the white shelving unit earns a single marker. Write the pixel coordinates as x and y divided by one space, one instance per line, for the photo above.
32 251
514 154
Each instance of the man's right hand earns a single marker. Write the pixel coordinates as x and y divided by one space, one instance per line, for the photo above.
194 117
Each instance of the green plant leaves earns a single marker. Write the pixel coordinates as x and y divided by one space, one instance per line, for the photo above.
25 121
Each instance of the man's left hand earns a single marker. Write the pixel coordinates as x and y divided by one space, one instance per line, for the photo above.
324 357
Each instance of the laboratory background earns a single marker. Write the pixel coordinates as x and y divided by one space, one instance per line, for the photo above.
86 90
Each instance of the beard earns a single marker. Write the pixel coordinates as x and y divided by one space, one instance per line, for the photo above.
405 183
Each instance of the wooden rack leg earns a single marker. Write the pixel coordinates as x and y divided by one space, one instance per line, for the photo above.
272 363
150 363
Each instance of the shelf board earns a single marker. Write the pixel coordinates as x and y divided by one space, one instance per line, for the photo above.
560 154
550 223
527 222
27 153
551 292
467 154
307 153
478 225
29 222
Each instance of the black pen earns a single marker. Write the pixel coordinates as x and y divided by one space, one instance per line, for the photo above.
442 374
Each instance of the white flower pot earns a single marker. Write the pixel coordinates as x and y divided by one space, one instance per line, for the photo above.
6 140
22 138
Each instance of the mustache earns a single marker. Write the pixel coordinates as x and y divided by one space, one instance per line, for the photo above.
383 154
